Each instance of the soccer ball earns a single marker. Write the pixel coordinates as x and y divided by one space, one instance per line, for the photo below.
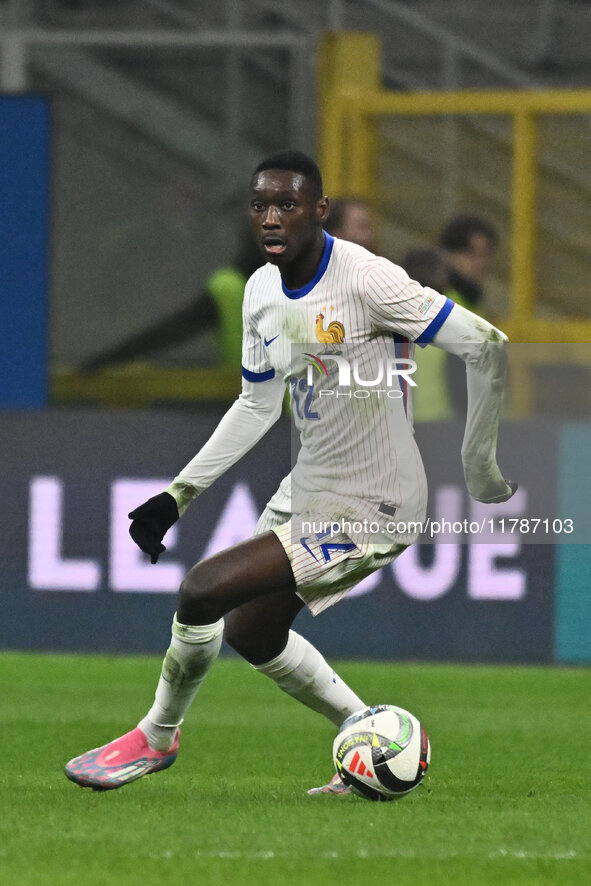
382 752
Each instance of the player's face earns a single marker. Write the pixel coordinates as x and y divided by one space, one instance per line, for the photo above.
474 261
285 216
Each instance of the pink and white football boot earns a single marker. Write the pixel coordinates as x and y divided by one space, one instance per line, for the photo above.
123 760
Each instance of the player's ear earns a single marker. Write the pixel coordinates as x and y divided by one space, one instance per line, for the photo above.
323 209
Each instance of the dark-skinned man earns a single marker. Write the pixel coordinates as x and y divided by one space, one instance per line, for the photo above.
357 493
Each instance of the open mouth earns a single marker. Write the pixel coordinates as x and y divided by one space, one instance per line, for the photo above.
274 245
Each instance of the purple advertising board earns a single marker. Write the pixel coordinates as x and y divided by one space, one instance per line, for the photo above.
72 580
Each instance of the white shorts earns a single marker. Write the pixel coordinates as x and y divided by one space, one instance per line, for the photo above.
325 565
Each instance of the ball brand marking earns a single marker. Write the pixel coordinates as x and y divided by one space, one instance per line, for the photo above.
358 738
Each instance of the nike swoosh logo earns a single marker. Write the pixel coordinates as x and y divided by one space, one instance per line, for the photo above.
270 340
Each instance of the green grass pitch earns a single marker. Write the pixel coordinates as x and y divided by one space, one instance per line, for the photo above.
507 799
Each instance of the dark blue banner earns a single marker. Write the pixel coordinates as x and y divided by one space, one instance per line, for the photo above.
24 235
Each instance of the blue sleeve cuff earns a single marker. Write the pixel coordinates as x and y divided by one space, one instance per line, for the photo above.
258 376
435 325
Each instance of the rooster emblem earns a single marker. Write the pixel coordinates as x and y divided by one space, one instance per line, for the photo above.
333 335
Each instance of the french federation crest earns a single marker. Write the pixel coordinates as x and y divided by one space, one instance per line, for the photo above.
333 335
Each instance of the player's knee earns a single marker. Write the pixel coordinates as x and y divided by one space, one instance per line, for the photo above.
198 602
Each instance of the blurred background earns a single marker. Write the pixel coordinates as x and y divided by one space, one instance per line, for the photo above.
457 139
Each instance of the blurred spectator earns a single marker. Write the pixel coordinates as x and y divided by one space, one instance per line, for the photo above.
469 244
217 307
351 219
431 397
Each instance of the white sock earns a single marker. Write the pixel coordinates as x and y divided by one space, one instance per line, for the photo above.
191 653
301 671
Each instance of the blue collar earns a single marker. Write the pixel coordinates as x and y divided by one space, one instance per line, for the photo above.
327 252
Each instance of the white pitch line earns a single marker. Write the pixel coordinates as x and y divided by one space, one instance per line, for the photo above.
263 855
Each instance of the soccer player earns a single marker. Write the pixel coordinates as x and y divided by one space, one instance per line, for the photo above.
358 462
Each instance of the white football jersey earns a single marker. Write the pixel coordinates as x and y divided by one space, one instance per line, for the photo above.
339 343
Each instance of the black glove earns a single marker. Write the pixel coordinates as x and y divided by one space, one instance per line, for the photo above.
151 522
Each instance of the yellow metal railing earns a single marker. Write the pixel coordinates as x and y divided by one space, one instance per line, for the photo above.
141 384
352 100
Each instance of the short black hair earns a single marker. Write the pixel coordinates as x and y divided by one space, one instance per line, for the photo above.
456 235
295 161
